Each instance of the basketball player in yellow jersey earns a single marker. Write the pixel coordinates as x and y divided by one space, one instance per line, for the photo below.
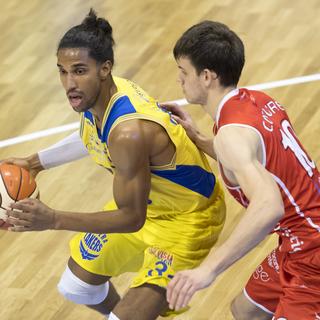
168 208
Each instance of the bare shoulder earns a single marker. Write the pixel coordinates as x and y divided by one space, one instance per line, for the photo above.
236 145
127 145
137 139
134 130
125 132
230 133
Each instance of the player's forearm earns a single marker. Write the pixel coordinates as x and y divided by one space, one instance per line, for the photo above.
66 150
256 224
205 144
115 221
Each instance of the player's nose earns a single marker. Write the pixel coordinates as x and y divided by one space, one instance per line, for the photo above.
70 83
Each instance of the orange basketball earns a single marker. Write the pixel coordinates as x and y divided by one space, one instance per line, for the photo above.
16 183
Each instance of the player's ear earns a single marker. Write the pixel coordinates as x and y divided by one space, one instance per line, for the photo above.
105 69
208 76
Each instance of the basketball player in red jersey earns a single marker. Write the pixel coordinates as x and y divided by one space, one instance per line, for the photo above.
265 168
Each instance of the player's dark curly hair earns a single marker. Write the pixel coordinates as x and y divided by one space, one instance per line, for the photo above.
94 34
212 45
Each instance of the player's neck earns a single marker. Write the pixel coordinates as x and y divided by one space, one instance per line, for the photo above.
215 96
108 89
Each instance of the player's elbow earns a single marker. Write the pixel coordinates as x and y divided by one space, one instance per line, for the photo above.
137 225
271 209
271 200
137 222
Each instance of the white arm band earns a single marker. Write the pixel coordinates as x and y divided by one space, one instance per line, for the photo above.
68 149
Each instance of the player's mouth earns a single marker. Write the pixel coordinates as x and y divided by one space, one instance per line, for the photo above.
75 99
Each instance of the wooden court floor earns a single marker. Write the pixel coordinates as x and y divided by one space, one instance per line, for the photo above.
282 41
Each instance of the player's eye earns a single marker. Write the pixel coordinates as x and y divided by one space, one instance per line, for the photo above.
80 71
62 71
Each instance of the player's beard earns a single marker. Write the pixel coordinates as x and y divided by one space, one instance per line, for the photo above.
92 102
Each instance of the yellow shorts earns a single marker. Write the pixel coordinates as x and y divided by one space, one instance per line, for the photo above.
161 248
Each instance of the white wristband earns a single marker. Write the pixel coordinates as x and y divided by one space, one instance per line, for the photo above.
68 149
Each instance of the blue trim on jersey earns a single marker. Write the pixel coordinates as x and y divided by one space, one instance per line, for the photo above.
89 116
121 107
194 178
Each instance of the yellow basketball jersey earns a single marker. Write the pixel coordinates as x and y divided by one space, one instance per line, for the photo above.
183 186
186 209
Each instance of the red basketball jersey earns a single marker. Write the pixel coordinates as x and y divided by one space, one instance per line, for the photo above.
285 158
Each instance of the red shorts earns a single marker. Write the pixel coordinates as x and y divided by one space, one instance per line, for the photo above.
287 285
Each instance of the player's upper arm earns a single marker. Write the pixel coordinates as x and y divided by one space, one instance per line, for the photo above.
237 150
129 150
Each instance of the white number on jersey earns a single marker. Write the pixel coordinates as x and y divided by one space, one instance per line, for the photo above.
289 141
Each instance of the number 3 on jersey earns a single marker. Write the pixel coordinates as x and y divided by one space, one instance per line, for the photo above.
289 141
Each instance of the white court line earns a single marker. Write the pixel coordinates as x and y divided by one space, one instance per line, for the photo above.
270 85
39 134
181 102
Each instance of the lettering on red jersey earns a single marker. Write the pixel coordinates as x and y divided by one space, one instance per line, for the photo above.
267 111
